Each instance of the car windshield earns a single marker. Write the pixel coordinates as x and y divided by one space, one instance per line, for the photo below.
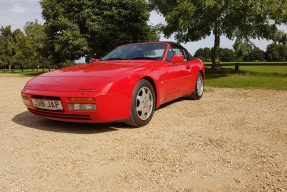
148 51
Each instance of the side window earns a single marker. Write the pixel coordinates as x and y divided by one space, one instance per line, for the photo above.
169 55
175 51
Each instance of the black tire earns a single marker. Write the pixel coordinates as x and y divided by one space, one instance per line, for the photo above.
142 104
198 89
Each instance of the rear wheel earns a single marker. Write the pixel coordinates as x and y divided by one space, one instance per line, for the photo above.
142 105
198 90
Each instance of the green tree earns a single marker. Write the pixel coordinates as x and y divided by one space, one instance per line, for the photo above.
276 52
87 28
242 49
200 54
20 58
14 52
272 53
255 55
227 55
207 53
192 20
283 52
2 51
37 43
8 46
203 54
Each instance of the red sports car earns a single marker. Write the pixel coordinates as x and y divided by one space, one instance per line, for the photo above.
126 85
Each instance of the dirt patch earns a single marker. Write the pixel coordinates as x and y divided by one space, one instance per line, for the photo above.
230 140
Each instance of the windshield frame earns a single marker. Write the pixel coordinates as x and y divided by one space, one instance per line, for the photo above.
137 51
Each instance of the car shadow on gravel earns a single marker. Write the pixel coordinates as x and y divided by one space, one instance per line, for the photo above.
32 121
181 99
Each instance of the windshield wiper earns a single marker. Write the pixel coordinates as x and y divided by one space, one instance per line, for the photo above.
144 58
115 58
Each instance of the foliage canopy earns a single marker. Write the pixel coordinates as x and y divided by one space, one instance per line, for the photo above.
192 20
87 28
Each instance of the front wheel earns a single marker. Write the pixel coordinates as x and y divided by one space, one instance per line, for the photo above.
142 104
198 90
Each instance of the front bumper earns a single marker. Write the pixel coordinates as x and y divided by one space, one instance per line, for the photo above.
110 107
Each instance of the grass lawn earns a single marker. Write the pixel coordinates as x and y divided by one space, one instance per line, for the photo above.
276 70
247 81
249 77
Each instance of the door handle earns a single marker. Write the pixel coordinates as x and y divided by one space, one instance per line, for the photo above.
187 67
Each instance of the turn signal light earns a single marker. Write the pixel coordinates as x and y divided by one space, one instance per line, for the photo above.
81 99
24 95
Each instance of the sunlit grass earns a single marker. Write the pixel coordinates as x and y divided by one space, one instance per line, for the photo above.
247 81
268 70
249 77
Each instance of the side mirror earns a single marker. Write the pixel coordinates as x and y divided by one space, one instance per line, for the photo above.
177 58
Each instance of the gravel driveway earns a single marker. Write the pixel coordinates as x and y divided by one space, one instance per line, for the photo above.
230 140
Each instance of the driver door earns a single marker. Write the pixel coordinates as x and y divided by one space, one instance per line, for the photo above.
179 74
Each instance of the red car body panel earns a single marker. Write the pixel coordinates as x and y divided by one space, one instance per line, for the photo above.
111 84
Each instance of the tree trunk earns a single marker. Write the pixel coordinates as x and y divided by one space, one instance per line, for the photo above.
216 50
10 67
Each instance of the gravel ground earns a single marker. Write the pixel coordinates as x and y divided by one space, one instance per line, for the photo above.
230 140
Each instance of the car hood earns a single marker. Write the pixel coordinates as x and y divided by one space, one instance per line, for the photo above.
99 69
86 77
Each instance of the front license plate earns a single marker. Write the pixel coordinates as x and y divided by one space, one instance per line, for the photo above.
47 104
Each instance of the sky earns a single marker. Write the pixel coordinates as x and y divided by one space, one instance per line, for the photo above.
17 12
